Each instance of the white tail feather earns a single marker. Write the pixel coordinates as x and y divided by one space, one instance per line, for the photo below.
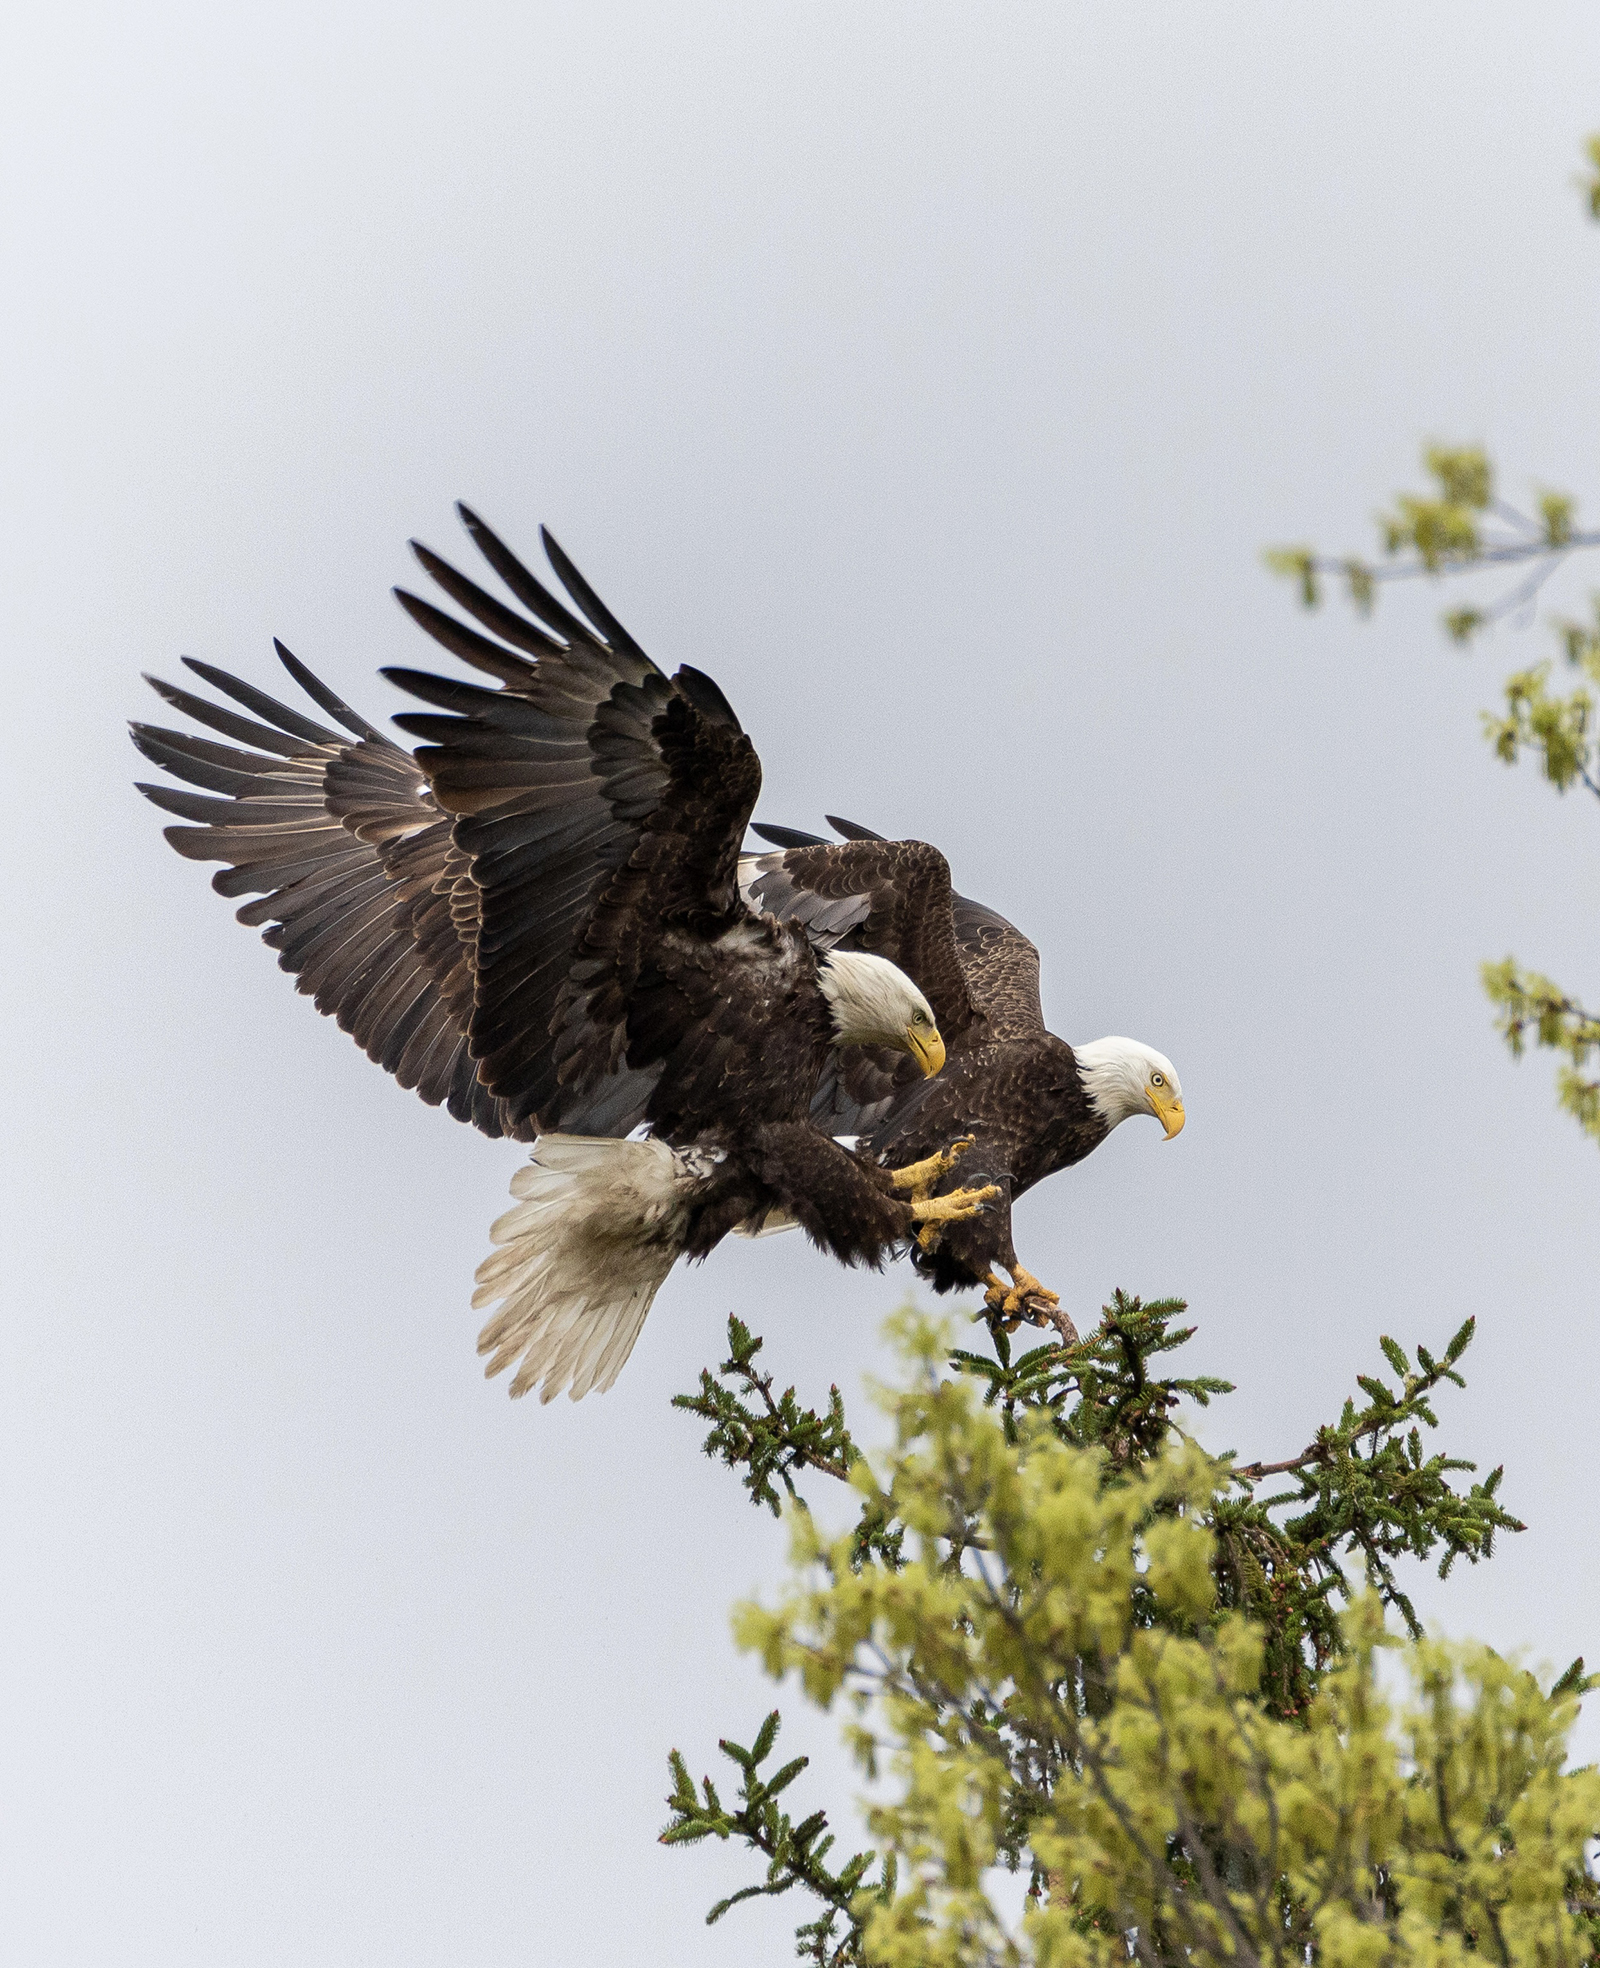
597 1227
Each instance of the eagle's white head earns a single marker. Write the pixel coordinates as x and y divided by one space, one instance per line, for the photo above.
873 1002
1122 1078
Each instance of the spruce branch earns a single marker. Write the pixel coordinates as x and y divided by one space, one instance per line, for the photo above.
1363 1489
1099 1392
796 1854
769 1437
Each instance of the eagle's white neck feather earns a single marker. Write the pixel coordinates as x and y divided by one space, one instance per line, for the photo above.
872 1000
1116 1077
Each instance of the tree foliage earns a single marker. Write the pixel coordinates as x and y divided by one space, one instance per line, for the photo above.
1072 1646
1459 525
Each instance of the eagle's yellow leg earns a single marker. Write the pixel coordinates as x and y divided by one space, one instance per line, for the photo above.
919 1177
933 1212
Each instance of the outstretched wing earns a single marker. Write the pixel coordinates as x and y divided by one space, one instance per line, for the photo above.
894 898
601 805
360 889
481 915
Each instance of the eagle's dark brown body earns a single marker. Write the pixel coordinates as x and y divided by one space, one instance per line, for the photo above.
1028 1115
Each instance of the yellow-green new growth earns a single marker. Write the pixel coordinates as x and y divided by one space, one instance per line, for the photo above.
1444 532
1044 1678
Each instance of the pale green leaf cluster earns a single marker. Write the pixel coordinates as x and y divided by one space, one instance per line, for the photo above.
1531 1004
1444 531
1307 569
1589 182
1044 1681
1555 727
1559 729
1444 526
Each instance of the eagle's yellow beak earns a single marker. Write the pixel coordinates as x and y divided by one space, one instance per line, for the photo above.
926 1047
1167 1110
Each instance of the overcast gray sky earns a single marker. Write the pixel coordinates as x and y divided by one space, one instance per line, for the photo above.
933 376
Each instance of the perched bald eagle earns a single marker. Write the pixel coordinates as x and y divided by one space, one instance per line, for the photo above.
1032 1103
536 920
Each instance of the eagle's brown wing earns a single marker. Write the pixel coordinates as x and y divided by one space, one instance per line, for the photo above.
476 915
360 889
980 973
1002 969
894 898
891 898
601 805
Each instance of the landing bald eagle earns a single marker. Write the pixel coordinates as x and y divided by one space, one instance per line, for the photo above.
536 920
1033 1103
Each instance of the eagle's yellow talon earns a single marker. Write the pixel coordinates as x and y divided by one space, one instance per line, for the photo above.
954 1208
933 1212
919 1177
1010 1301
1029 1286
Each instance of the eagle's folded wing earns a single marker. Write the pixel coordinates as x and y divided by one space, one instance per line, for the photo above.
1002 969
894 898
891 898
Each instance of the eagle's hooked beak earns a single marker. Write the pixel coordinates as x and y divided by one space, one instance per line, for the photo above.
1167 1110
927 1048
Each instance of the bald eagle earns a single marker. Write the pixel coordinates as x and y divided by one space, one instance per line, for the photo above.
1031 1103
536 920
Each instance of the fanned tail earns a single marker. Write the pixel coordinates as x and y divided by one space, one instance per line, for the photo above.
598 1225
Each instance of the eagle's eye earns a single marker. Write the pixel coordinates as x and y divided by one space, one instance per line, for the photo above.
919 1018
1156 1080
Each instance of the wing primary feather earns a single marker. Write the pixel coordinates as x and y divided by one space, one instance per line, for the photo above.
587 599
229 723
215 766
461 641
319 693
532 593
787 837
449 693
851 829
263 705
306 811
494 615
